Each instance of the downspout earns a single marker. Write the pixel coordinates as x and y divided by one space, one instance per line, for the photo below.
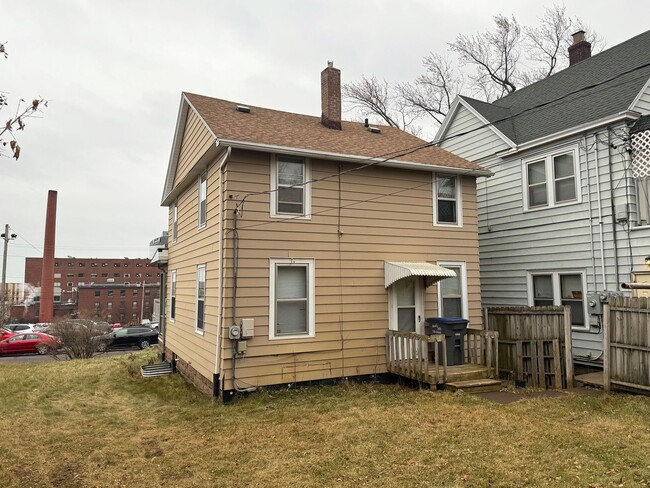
217 352
600 215
611 198
591 223
163 305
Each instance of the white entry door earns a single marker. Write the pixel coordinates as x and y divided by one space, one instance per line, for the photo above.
406 299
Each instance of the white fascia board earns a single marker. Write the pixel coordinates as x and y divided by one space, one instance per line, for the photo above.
645 88
183 111
619 117
487 123
176 148
309 153
458 101
442 130
210 156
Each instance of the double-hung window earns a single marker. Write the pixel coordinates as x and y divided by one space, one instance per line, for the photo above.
172 295
291 304
200 298
290 192
551 180
558 289
452 292
447 203
203 200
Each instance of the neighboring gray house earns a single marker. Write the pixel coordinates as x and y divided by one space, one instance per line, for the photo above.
566 214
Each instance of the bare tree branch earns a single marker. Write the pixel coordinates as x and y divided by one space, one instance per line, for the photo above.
494 53
489 68
371 97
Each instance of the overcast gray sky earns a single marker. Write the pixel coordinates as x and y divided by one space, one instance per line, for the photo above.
114 70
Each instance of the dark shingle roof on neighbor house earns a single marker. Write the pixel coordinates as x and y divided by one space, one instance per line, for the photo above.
274 128
606 84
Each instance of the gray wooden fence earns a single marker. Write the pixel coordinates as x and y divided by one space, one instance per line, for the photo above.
534 344
626 344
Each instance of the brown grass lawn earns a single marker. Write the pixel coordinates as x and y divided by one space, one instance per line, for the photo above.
96 423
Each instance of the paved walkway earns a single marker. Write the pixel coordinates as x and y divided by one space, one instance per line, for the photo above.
506 397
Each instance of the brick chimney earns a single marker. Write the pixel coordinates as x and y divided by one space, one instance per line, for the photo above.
46 308
580 49
330 95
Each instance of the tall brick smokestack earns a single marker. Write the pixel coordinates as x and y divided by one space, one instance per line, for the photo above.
46 313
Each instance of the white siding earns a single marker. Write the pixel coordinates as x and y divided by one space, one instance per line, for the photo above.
481 143
643 103
514 242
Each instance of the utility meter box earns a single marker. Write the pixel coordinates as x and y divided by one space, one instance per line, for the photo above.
234 332
248 328
594 305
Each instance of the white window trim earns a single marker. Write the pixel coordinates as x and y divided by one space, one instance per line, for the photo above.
419 305
311 316
196 299
459 201
175 220
557 295
172 294
274 192
198 216
550 180
463 282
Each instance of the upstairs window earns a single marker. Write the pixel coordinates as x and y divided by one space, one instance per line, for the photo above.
290 195
203 200
447 201
551 180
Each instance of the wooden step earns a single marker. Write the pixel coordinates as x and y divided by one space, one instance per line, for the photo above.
474 386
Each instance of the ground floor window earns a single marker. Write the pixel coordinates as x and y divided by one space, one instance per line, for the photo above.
452 292
559 288
200 298
291 298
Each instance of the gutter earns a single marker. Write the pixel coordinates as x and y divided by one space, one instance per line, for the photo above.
395 163
624 115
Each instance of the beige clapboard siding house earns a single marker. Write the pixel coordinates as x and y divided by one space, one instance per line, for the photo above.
289 226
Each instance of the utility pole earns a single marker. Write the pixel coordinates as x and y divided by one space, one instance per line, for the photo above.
6 238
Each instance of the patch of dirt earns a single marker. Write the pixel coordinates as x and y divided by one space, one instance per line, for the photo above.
152 448
66 474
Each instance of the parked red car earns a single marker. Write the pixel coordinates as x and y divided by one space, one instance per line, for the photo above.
5 334
28 343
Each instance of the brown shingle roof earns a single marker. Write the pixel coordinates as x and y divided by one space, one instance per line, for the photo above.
285 129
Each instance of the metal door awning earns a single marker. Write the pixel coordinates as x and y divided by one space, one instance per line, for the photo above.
395 271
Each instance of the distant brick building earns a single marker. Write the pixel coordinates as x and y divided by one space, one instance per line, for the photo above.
71 273
117 302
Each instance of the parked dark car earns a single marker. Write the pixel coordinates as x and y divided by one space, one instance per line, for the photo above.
141 337
28 343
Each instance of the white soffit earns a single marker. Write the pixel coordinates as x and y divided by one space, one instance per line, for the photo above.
395 271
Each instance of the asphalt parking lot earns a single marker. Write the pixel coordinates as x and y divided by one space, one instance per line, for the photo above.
37 358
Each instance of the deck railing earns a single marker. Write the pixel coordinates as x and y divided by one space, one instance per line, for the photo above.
408 355
482 348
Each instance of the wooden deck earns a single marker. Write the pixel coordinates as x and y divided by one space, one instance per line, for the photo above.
410 355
